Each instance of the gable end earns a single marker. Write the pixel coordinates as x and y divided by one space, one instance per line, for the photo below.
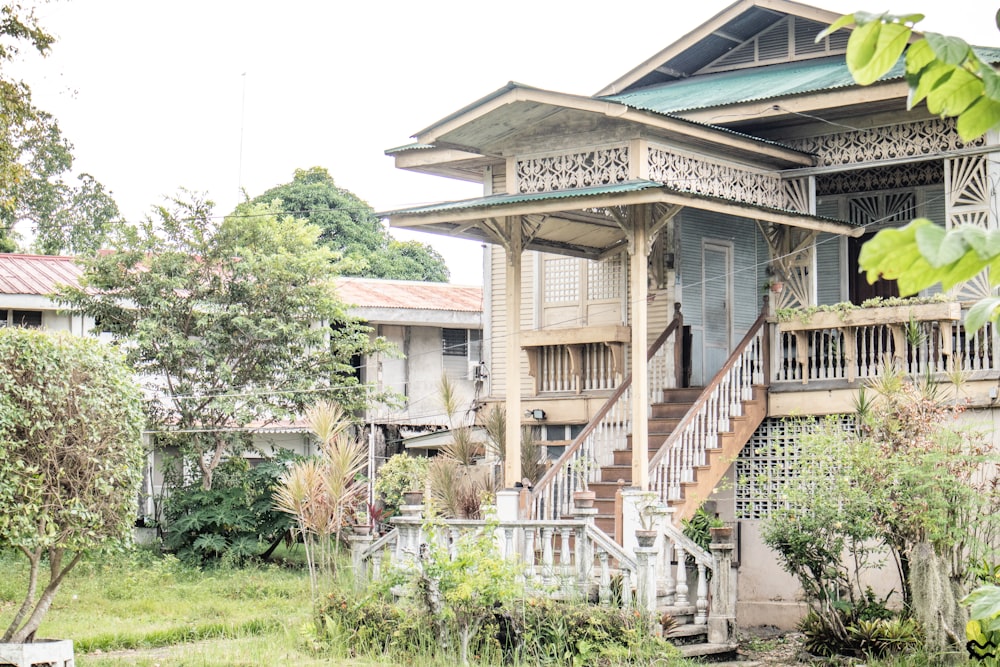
791 38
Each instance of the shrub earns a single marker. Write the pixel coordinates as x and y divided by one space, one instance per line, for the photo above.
70 457
401 473
234 522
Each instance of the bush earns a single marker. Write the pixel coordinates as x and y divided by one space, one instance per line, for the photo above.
401 473
70 457
533 632
234 522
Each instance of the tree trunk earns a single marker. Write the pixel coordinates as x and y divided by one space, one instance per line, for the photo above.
27 632
34 560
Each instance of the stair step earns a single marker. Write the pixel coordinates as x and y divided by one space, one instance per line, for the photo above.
623 457
688 630
613 473
705 649
683 395
669 410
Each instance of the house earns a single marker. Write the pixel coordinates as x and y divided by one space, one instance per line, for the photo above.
436 329
643 239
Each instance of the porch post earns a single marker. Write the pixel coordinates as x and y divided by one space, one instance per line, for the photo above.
638 293
512 365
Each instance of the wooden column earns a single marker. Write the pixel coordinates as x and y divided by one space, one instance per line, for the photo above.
638 294
512 385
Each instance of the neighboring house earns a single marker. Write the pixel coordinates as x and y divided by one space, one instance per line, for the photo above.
435 327
735 172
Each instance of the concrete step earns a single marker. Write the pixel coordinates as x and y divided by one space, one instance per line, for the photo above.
705 650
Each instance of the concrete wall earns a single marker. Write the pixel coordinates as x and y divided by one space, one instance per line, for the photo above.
414 372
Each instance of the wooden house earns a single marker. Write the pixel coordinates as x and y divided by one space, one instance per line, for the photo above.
643 238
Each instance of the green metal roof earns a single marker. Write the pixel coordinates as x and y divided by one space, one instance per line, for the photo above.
628 186
755 84
499 200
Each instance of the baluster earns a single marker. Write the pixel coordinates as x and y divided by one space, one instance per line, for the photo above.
565 559
604 587
682 577
377 565
529 553
667 582
548 574
584 559
454 534
701 603
626 589
508 543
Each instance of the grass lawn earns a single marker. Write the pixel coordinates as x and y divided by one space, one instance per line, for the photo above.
146 610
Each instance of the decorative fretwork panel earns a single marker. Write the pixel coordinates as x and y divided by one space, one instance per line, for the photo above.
910 140
797 196
791 251
573 170
882 208
688 174
895 177
767 463
605 279
969 198
561 279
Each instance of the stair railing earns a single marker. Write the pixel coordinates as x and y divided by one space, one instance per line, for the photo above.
552 497
686 448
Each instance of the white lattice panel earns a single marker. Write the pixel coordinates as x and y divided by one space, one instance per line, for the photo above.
561 279
605 279
768 462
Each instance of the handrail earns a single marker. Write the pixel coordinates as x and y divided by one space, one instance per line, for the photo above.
381 542
678 537
561 466
613 549
672 441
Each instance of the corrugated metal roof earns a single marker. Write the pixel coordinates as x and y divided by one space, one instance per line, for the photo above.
409 295
407 147
498 200
755 84
36 274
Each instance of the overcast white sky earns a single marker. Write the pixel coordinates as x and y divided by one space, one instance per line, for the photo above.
151 92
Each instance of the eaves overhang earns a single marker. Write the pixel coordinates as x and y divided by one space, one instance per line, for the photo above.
514 106
566 221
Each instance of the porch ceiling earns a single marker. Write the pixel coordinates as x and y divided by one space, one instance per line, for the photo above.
578 222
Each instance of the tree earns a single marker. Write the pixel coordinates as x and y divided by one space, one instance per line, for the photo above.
228 323
946 73
70 457
351 228
909 477
65 218
35 159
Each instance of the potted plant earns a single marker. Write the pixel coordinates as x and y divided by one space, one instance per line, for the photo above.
68 402
583 497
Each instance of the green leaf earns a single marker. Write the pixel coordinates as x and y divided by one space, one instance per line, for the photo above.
874 48
978 119
991 82
842 22
956 94
934 246
927 80
949 50
980 313
918 56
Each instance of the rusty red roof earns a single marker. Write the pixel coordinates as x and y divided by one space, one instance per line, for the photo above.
409 294
36 274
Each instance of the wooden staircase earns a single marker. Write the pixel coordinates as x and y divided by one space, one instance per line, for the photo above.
665 417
